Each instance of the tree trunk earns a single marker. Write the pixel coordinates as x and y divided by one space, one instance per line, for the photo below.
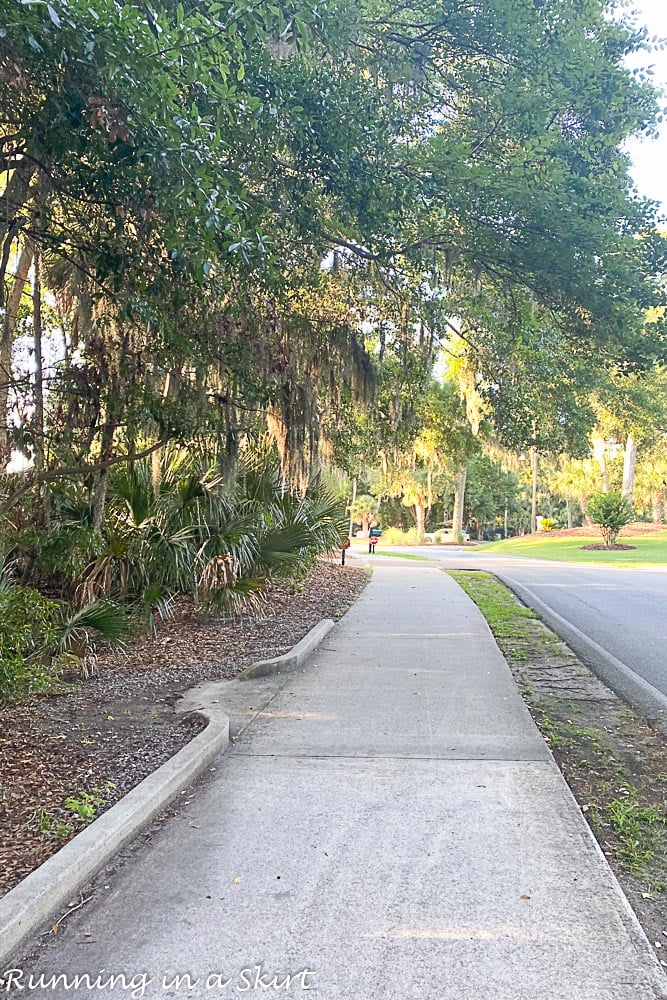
534 461
12 201
459 501
15 196
629 462
657 501
506 522
600 453
39 360
170 391
568 508
420 520
38 420
354 500
583 503
156 471
365 527
6 342
100 491
99 498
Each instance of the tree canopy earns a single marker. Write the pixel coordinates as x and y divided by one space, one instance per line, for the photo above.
257 214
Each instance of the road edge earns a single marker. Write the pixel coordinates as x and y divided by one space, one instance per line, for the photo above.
622 680
637 934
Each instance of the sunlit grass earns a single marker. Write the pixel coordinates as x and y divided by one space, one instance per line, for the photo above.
506 617
650 550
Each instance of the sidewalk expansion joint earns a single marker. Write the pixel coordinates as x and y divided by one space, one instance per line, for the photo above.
236 754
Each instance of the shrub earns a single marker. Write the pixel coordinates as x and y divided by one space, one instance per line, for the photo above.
197 534
396 536
548 524
56 557
38 636
611 512
203 536
27 622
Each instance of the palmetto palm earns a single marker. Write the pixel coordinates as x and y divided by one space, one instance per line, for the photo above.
196 535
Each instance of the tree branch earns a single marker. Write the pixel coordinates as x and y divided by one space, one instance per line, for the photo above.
75 472
337 241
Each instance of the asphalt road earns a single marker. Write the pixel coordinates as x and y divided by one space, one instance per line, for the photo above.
614 619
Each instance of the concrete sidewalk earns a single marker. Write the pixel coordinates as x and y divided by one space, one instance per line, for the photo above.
391 826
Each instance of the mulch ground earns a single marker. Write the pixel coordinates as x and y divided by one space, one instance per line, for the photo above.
608 548
631 530
104 735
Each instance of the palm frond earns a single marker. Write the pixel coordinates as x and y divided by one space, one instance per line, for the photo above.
285 544
246 594
75 630
156 599
135 491
6 578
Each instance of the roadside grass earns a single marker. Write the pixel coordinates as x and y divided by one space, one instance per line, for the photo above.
640 827
650 550
497 604
614 762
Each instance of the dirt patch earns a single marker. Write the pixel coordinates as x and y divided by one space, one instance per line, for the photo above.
69 757
613 760
608 548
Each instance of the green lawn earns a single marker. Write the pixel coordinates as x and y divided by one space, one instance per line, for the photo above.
650 550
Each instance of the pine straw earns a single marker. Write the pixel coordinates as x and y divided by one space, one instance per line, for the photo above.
631 530
119 725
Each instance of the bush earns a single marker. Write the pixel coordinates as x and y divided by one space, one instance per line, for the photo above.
548 524
198 534
39 636
611 512
202 536
55 557
27 624
396 536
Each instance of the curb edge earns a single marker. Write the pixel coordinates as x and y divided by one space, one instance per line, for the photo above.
295 657
43 892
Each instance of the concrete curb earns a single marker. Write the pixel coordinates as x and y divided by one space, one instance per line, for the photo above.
622 680
40 897
294 658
